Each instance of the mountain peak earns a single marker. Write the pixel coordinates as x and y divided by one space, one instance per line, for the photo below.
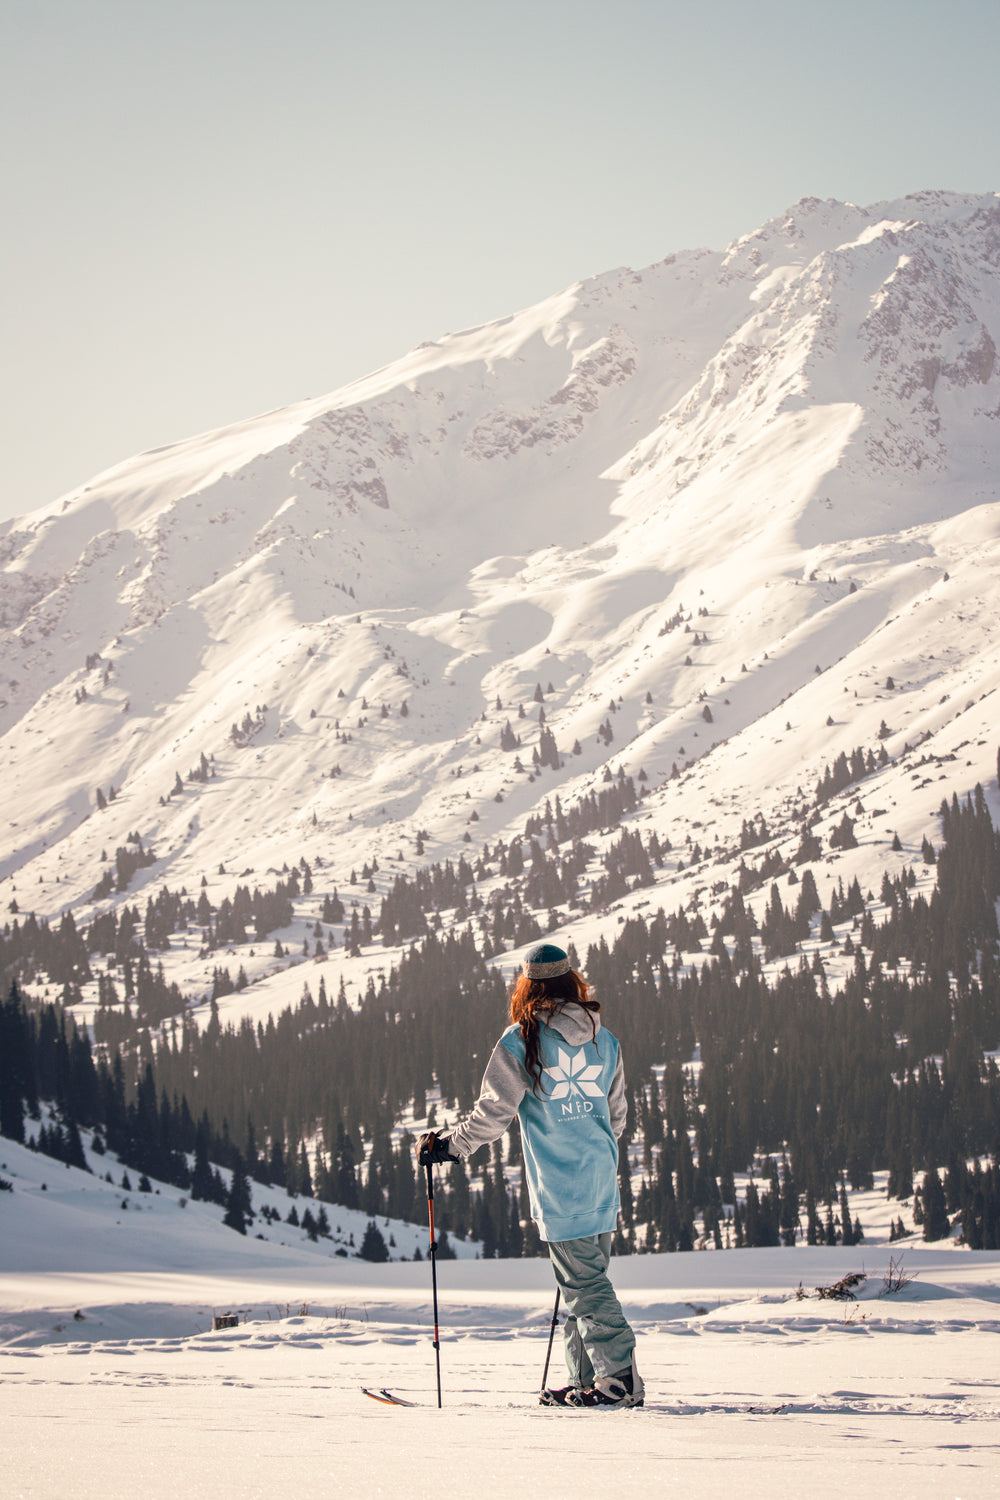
771 443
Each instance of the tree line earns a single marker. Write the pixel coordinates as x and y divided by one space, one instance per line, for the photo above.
892 1073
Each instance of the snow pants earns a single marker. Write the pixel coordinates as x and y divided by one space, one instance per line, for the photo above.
598 1340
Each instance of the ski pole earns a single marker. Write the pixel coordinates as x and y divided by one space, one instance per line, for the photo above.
552 1328
434 1279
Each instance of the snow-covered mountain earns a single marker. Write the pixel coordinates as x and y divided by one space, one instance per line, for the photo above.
700 515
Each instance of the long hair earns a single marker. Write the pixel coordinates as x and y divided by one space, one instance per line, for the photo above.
536 1001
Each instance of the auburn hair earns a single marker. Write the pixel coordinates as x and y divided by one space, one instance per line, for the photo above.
537 1001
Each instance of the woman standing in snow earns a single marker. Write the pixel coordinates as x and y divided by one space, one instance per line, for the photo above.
560 1072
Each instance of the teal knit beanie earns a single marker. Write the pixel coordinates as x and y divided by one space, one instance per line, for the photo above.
545 962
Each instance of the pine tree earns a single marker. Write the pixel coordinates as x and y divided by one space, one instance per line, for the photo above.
846 1231
842 836
443 1249
74 1154
788 1217
303 1176
625 1187
14 1066
345 1174
239 1205
202 1183
935 1216
373 1246
276 1164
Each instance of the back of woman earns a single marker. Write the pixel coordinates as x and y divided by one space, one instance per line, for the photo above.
560 1072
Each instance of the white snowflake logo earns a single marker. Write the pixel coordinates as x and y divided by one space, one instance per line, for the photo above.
573 1076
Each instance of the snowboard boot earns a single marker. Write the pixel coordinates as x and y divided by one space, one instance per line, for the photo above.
625 1388
560 1397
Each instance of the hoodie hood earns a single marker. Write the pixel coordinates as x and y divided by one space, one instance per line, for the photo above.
573 1024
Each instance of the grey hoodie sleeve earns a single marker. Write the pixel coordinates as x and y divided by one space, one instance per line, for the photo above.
504 1085
617 1103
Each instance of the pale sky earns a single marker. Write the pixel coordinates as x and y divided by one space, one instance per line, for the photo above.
216 207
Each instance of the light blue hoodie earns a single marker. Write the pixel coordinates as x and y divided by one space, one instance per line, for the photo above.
569 1124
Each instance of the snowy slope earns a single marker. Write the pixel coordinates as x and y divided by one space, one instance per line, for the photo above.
792 444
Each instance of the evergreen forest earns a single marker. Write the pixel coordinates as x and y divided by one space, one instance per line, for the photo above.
732 1071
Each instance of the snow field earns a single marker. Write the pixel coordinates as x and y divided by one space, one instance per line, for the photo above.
114 1385
900 1394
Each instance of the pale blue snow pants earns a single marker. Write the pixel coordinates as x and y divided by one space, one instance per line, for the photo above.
598 1340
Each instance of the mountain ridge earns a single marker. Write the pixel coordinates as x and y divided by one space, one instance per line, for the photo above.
784 446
